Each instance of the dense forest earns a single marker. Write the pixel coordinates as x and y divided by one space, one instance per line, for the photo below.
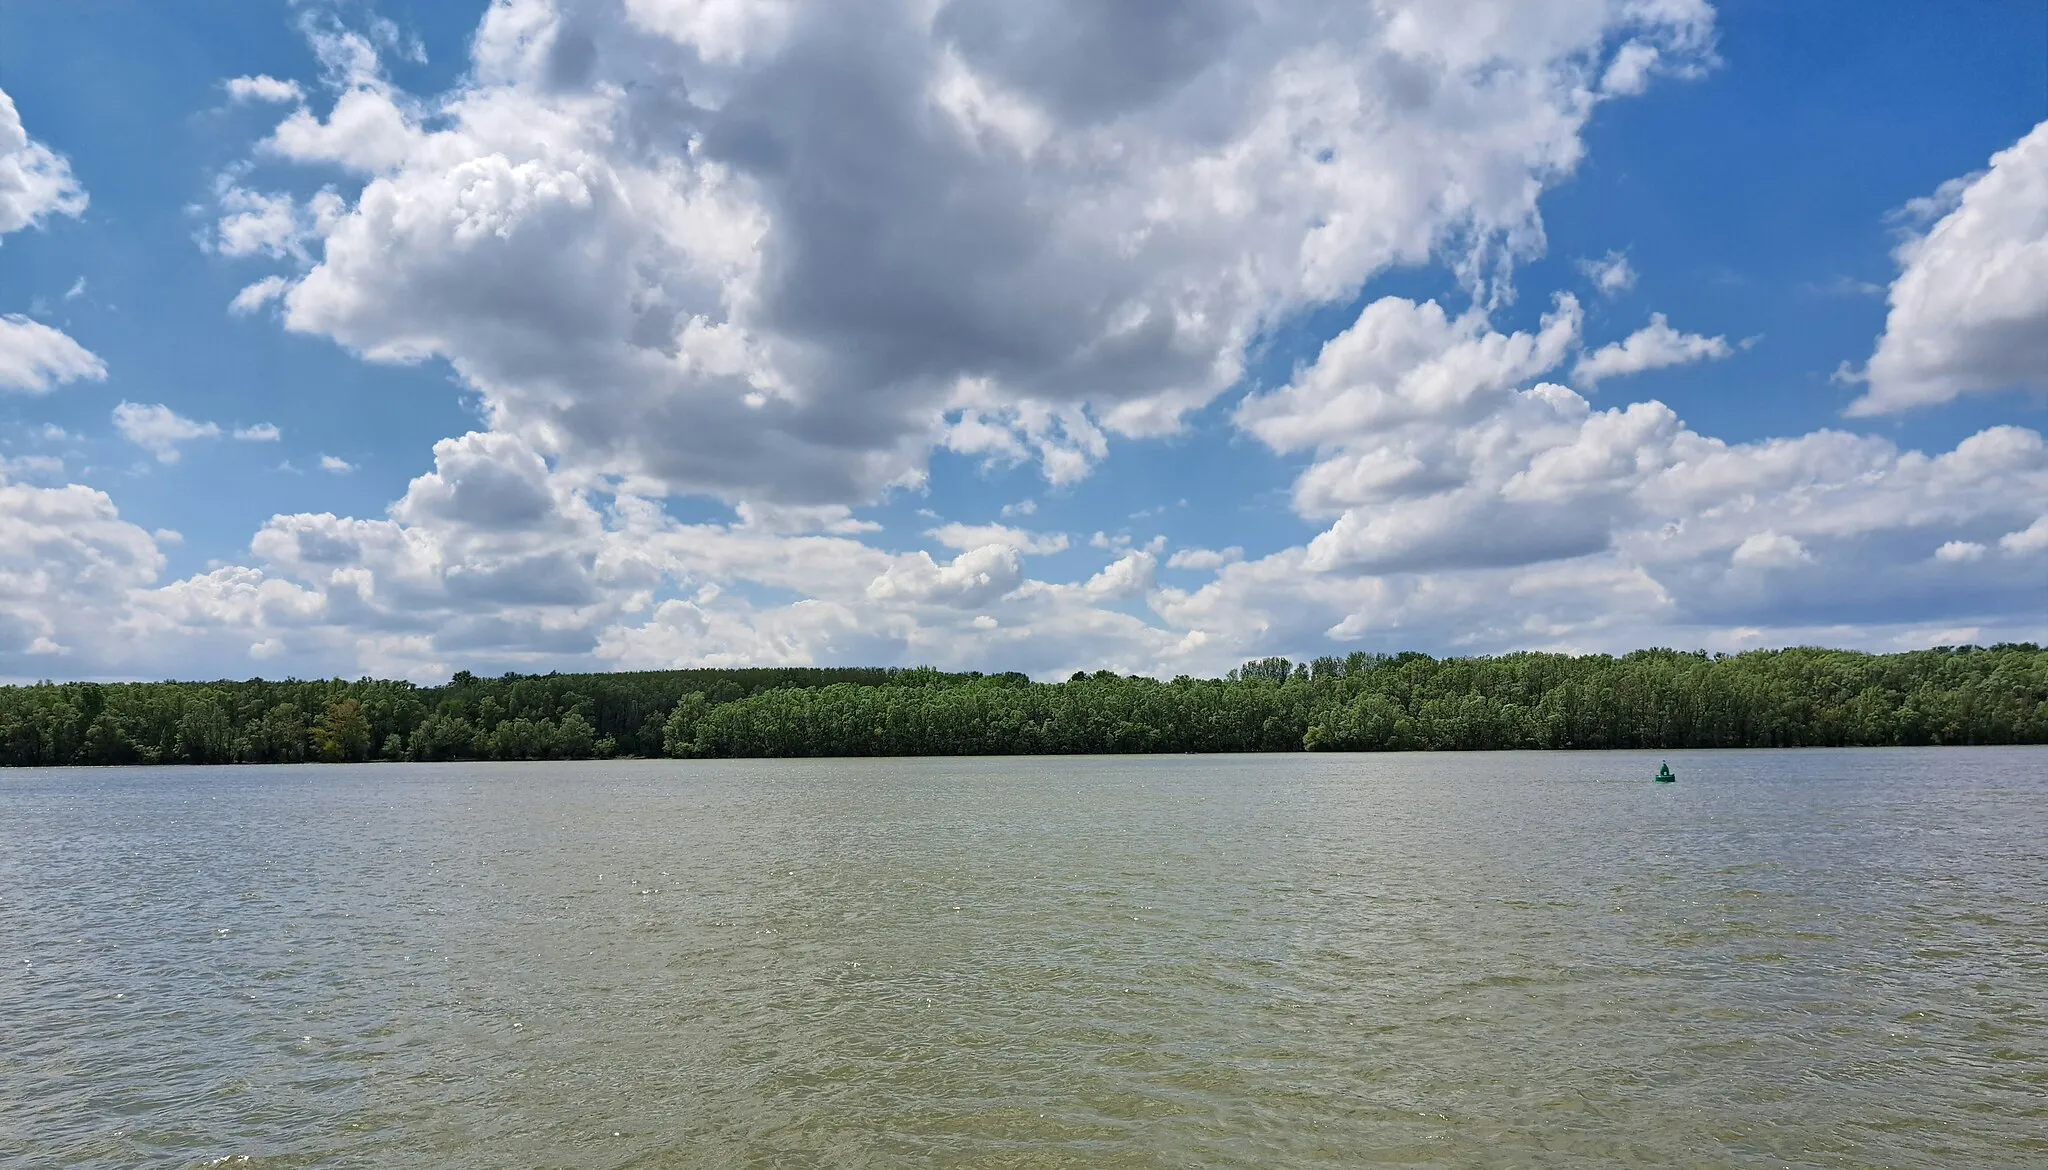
1366 702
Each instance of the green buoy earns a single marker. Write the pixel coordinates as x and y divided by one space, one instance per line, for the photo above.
1664 775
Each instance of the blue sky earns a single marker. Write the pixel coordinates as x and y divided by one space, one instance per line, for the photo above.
407 338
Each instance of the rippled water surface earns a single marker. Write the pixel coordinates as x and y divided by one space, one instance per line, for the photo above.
1786 959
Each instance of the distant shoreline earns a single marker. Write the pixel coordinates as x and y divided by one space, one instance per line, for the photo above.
1652 700
1331 755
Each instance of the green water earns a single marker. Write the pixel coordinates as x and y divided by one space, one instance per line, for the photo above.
1826 959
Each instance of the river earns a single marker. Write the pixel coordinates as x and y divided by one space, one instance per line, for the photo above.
1805 958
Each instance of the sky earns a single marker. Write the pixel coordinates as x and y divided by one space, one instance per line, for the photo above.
341 338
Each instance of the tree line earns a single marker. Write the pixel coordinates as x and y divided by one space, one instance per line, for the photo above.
1364 702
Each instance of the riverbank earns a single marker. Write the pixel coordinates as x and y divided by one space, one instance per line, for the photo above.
1654 699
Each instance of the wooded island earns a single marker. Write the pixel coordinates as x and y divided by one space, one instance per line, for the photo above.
1365 702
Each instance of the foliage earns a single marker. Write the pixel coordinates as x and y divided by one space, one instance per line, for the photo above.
1366 702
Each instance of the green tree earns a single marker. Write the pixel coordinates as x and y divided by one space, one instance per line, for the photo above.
343 733
205 735
441 736
679 731
575 739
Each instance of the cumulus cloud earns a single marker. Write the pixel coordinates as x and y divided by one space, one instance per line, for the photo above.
1402 362
1044 237
260 433
1204 559
1969 310
973 579
254 296
1472 504
1130 575
34 357
1770 550
797 519
2031 539
484 554
1426 446
255 223
1629 72
1652 347
158 429
35 181
497 558
336 465
263 88
1065 440
67 562
969 536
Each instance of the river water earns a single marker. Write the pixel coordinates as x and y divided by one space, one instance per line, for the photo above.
1815 958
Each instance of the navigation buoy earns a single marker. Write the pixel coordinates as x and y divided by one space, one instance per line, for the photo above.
1664 774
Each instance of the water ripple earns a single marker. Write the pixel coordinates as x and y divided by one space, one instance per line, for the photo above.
1814 959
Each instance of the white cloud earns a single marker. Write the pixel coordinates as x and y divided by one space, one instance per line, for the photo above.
1610 275
1629 72
253 297
1130 575
1769 550
1969 310
67 561
796 520
260 433
2031 539
368 129
493 557
1402 363
497 558
970 536
1652 347
1123 541
258 224
263 88
31 466
159 429
1467 511
336 465
1066 441
713 296
972 579
1204 559
35 181
34 357
278 226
